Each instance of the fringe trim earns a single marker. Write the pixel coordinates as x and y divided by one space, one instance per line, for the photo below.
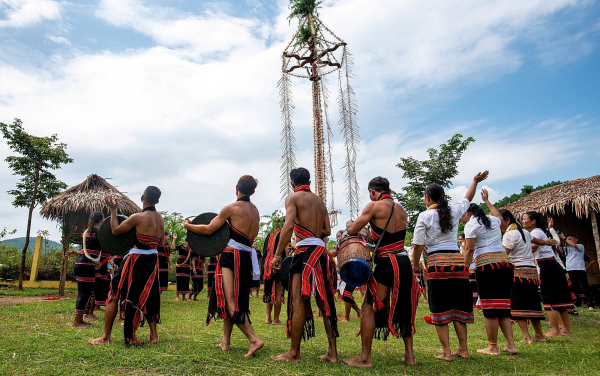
309 329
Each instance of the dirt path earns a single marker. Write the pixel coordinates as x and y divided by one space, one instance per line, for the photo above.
16 300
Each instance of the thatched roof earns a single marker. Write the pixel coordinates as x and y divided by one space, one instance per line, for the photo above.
581 196
88 196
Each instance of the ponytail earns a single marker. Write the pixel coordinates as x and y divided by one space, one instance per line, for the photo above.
478 213
95 218
437 194
508 215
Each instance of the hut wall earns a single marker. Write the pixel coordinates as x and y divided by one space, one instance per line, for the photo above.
569 223
77 222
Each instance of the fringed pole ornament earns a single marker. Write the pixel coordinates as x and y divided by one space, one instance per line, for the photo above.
315 52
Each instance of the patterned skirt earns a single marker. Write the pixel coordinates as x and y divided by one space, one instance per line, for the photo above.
448 288
494 276
554 287
525 301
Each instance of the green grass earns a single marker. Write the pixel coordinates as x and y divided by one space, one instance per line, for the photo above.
35 339
13 291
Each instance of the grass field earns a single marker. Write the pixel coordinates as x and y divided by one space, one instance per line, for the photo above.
36 339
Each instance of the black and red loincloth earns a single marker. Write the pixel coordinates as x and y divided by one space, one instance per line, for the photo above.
238 258
313 263
164 253
270 278
395 315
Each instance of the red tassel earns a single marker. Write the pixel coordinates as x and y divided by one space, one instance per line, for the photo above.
452 268
427 319
492 266
520 280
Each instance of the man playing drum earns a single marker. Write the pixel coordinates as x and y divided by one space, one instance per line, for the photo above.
136 283
306 215
229 299
393 291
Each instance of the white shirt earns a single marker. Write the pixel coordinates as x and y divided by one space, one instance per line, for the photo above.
557 238
487 240
429 234
543 251
575 257
520 251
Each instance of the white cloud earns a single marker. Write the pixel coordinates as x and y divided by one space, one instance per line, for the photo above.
200 108
22 13
58 40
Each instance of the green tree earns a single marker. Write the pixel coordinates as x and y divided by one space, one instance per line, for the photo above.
36 158
440 168
174 225
268 224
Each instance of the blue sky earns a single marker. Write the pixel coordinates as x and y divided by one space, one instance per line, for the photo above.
182 94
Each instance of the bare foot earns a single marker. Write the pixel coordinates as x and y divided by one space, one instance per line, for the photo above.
490 350
177 299
83 324
154 340
445 357
539 339
329 358
462 354
91 316
254 347
268 321
287 356
512 351
277 322
411 361
566 334
527 340
359 362
223 346
552 333
99 341
345 320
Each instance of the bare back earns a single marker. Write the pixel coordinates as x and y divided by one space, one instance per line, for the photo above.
244 216
148 223
311 212
381 212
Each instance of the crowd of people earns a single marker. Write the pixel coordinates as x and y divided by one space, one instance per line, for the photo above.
511 270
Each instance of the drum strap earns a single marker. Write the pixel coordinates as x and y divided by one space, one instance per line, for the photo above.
385 228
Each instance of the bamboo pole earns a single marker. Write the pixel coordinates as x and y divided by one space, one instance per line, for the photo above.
37 251
596 235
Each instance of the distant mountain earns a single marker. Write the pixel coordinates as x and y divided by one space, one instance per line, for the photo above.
20 242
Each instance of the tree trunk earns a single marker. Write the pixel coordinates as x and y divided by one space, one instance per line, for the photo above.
63 267
33 203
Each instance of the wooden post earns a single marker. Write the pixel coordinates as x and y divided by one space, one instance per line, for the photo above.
63 267
37 251
596 235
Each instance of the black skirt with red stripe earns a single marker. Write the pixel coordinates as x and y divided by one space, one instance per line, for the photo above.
494 284
554 286
136 288
210 272
163 269
525 301
348 294
473 282
85 275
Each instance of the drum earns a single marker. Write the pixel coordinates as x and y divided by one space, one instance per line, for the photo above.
208 245
284 272
115 244
354 260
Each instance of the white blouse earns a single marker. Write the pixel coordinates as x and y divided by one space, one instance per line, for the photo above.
543 251
520 251
487 240
429 234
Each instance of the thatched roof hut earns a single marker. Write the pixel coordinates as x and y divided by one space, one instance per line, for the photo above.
73 206
575 208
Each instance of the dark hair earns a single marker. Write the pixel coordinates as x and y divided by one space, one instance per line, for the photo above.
379 184
95 218
463 235
540 222
478 213
167 233
436 193
300 176
247 185
508 215
152 194
572 235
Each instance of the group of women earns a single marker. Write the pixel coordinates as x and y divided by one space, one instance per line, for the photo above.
504 257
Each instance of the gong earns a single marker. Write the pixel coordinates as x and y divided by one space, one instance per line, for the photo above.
208 245
115 244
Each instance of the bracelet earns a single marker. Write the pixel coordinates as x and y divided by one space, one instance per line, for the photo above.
278 256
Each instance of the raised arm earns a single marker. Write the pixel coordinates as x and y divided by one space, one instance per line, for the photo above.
485 197
354 227
481 176
213 226
126 225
